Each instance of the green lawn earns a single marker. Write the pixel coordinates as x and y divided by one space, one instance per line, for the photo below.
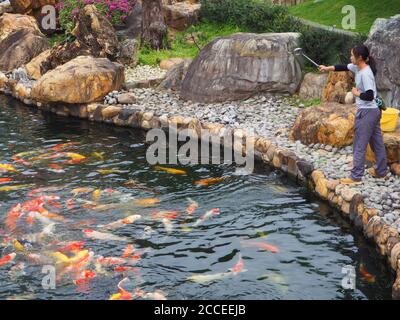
329 12
204 32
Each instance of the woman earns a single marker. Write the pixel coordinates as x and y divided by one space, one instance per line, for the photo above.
367 127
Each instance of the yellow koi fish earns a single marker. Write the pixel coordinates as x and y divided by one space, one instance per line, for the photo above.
147 202
170 170
7 167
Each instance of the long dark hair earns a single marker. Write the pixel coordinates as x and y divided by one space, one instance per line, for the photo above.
363 52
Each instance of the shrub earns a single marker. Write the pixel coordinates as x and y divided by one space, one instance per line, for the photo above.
327 47
323 46
115 10
254 15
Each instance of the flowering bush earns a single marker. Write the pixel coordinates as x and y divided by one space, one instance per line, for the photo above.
115 10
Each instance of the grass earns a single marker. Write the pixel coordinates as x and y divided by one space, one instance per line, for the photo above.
329 12
181 48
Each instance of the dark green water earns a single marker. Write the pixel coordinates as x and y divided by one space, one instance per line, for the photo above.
314 242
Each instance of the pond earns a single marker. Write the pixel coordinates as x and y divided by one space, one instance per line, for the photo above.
79 204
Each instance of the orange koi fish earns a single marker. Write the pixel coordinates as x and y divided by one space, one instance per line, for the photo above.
146 202
129 249
72 246
366 275
5 180
84 277
123 294
208 181
165 215
7 259
111 260
238 267
62 146
260 245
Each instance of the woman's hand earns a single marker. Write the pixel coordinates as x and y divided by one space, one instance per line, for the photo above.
323 68
356 92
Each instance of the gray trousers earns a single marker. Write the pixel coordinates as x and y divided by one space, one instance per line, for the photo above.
367 129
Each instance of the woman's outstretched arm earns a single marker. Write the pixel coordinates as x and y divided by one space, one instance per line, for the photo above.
337 67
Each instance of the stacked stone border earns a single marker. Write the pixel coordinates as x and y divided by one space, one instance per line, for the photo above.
346 200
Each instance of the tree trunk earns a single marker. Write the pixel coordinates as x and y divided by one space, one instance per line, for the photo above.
154 28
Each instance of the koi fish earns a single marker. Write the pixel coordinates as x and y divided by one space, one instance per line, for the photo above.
72 246
7 258
56 168
101 235
96 195
5 180
170 170
98 155
15 187
19 160
123 294
167 225
4 167
75 157
366 275
84 277
203 278
111 260
193 206
125 269
121 222
77 258
109 171
146 202
208 181
62 146
156 295
165 214
260 245
129 249
238 267
77 191
207 215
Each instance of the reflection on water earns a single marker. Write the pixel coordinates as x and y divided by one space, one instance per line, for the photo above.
72 196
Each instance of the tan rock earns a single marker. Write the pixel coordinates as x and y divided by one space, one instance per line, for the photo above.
349 98
339 83
3 80
20 47
181 15
13 22
312 86
328 123
33 67
392 144
110 112
82 80
332 184
170 63
126 98
348 193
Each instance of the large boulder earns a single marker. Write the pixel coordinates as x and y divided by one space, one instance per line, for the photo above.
26 6
392 144
339 84
181 15
13 22
82 80
243 64
94 36
313 85
175 75
33 67
329 123
384 45
19 48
